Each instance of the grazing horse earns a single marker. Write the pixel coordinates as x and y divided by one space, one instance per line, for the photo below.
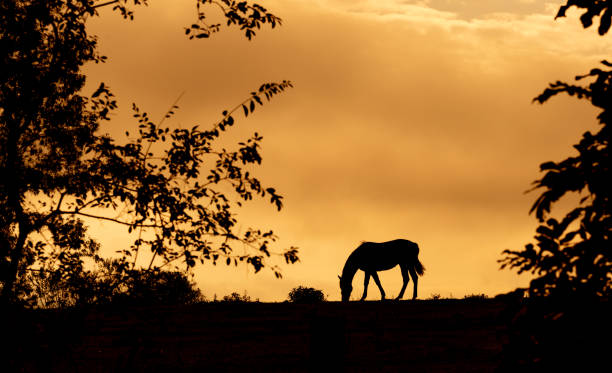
372 257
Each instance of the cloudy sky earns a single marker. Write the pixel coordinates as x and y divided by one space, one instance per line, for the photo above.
409 119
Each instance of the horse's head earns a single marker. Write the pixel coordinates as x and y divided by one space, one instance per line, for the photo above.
346 288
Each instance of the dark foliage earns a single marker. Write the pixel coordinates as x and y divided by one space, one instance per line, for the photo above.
157 288
236 298
572 254
563 324
246 16
475 297
592 9
302 294
109 284
57 168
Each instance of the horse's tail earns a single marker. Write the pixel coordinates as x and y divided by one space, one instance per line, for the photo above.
418 267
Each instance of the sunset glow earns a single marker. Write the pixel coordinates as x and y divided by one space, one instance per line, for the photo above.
408 119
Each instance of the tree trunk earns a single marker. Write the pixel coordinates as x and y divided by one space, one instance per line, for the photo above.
10 277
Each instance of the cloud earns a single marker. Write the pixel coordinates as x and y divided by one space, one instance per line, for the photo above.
447 9
471 9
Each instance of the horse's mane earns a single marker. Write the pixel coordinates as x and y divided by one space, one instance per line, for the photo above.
361 244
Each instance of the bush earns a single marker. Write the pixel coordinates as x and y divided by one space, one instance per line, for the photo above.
159 288
476 297
110 283
303 294
237 298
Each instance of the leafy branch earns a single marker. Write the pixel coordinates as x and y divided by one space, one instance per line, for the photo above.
246 16
572 255
169 196
594 9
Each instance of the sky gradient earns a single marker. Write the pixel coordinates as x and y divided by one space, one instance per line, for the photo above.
408 119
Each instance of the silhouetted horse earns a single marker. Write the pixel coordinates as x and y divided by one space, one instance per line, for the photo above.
372 257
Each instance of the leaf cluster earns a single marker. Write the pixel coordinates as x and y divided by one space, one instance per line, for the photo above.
593 9
190 212
246 16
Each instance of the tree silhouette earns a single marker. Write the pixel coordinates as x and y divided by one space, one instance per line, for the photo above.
572 255
56 168
561 326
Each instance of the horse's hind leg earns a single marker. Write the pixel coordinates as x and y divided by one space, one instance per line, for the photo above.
377 281
406 279
415 279
366 281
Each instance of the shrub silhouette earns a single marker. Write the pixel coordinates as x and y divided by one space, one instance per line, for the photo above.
237 298
475 297
158 288
110 283
303 294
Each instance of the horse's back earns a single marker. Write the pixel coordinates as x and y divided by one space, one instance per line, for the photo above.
397 247
401 244
380 256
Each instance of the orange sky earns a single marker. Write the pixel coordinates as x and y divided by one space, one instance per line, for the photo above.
409 119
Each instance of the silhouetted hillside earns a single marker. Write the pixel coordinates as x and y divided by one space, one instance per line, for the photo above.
432 336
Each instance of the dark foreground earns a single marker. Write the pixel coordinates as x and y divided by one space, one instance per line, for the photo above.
421 336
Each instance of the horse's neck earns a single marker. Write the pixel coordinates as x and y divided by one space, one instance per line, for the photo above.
350 268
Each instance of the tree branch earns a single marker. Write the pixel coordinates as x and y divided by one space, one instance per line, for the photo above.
76 212
105 4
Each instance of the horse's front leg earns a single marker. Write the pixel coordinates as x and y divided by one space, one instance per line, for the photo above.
366 281
377 281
